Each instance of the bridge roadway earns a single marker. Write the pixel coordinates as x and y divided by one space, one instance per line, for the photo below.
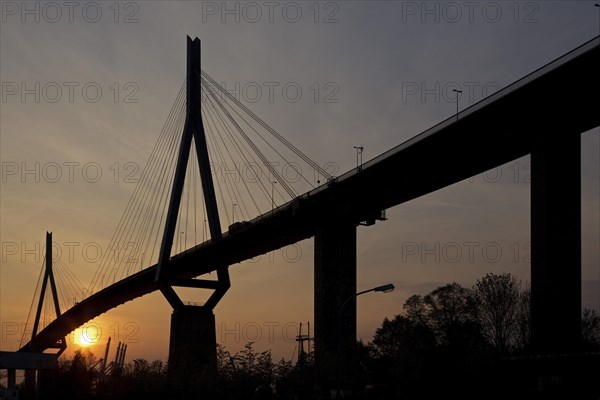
557 99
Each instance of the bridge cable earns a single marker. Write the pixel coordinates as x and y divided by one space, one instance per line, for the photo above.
162 170
33 301
133 199
267 127
274 149
265 161
187 206
256 150
144 208
210 146
238 195
99 277
216 119
235 193
60 288
161 185
212 110
194 200
148 221
74 284
234 196
166 180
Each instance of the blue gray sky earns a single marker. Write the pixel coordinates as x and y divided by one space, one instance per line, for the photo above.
371 73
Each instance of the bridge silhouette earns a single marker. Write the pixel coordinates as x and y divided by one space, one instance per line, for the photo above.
528 116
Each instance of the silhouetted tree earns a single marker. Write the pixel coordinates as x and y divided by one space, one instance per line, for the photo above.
402 335
450 311
402 348
295 381
416 310
498 299
452 341
590 330
141 378
438 339
246 374
524 320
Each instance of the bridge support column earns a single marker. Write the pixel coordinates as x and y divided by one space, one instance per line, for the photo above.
335 284
47 380
31 382
192 350
556 244
11 377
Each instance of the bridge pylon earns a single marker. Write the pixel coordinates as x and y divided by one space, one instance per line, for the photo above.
193 130
45 362
192 348
60 345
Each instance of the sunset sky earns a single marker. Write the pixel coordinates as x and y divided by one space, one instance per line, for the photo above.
371 74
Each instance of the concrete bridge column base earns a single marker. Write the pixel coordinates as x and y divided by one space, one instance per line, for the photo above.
31 382
335 283
11 379
192 351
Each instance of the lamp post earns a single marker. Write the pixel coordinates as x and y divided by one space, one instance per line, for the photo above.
359 151
384 289
598 5
233 212
458 92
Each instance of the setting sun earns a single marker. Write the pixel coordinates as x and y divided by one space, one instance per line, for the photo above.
84 340
87 336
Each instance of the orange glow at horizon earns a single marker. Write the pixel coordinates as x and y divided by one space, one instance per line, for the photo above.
86 336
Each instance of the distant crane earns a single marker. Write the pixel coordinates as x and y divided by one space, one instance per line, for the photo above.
114 366
301 339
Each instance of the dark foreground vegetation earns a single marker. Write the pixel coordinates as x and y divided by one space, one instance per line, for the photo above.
454 341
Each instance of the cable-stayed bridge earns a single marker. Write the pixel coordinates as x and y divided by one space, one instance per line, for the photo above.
230 163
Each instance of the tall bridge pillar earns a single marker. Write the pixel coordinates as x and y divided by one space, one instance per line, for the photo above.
11 378
556 244
192 350
31 383
335 285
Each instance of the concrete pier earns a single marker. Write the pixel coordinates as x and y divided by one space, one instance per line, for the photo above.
192 350
335 284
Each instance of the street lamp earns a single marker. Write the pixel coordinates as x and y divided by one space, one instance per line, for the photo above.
598 5
458 92
233 212
384 289
359 151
